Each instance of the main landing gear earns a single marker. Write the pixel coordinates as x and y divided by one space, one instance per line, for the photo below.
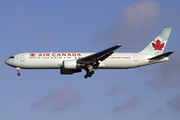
89 73
18 69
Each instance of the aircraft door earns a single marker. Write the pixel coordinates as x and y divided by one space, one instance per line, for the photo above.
22 58
135 58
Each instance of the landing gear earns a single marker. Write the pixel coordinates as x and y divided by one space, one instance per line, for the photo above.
18 74
92 72
85 76
18 69
89 73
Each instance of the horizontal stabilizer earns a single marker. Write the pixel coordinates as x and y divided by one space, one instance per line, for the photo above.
162 56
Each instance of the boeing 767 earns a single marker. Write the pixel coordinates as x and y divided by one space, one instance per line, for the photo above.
73 62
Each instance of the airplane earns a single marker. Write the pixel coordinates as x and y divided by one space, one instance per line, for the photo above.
74 62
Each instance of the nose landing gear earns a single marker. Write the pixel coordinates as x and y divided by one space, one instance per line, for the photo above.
18 74
18 69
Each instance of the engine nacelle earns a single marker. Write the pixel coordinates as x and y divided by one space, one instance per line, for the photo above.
70 71
70 64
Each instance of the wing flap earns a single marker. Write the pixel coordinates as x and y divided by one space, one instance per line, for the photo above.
162 56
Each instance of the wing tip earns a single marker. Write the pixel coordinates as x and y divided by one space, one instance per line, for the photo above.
118 45
171 52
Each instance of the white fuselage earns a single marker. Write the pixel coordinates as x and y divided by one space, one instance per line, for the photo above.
55 60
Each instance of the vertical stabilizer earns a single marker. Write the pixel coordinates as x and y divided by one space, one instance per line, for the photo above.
158 44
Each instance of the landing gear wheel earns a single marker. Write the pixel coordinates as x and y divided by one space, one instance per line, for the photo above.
18 69
90 75
85 76
92 72
18 74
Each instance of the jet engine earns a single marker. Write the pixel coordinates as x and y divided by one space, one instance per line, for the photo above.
70 64
70 67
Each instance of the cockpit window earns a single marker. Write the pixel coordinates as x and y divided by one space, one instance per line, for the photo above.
12 57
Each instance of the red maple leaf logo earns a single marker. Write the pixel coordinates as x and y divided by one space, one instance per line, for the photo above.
158 45
32 55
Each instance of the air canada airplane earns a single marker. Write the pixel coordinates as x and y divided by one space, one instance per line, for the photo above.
73 62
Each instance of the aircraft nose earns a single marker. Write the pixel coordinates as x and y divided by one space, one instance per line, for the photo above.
7 62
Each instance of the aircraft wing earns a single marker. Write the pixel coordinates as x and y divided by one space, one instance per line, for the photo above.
159 57
99 56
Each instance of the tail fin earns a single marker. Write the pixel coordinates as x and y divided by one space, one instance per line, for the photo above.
157 45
